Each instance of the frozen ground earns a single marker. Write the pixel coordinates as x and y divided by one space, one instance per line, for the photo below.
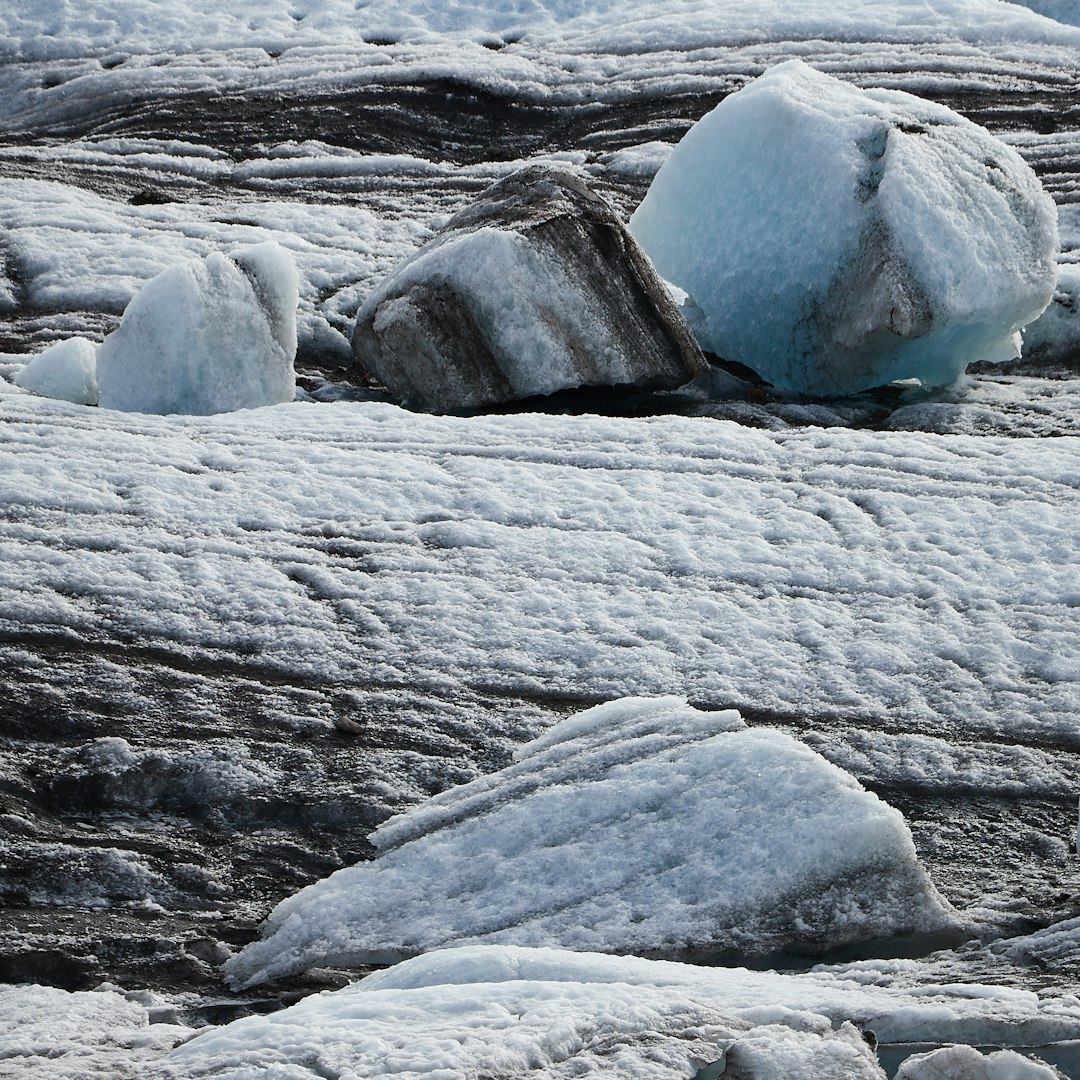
231 646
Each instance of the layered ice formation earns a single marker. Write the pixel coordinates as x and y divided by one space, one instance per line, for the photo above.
508 1029
206 337
834 239
642 825
66 370
505 1011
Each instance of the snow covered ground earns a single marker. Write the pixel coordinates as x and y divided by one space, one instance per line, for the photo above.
231 646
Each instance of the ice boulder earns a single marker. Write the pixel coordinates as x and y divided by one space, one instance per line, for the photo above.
641 826
206 337
966 1063
66 370
507 1029
535 288
834 239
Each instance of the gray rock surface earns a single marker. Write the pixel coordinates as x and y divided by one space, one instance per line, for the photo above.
535 288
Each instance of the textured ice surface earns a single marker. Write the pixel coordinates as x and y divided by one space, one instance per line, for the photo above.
206 337
834 239
639 826
66 370
895 577
507 1029
53 1035
966 1063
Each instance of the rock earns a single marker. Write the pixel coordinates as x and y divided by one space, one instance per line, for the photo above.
535 288
640 826
206 337
834 239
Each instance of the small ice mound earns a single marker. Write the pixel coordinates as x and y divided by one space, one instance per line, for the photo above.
834 239
966 1063
641 826
206 337
509 1029
66 371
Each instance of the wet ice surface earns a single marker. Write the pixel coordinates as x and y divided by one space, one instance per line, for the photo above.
231 648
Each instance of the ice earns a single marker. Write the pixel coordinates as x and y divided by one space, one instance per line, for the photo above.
612 833
966 1063
54 1035
834 239
484 1009
206 337
66 370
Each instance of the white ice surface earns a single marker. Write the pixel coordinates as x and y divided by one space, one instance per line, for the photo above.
507 1029
966 1063
895 577
480 1008
833 239
66 370
50 1034
206 337
638 826
39 29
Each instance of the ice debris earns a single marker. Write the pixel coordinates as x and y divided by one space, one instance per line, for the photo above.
66 370
639 826
835 239
535 288
206 337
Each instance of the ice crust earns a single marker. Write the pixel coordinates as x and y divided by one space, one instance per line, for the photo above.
645 827
206 337
487 1010
66 370
507 1030
835 239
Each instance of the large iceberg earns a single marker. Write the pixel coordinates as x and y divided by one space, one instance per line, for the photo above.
835 239
206 337
640 826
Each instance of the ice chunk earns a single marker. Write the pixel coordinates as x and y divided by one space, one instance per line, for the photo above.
206 337
66 370
834 239
557 1029
966 1063
638 826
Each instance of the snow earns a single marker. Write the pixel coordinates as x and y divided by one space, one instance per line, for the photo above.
833 239
610 833
105 1033
66 370
206 337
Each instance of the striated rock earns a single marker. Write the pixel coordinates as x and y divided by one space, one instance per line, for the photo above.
535 288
